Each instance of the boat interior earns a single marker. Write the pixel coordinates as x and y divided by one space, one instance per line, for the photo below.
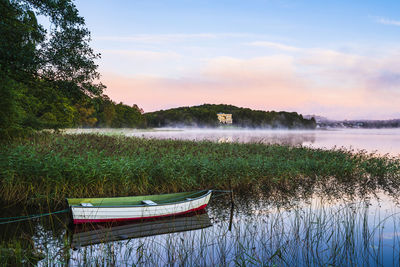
149 200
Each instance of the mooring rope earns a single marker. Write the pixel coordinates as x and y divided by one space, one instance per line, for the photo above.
29 217
34 216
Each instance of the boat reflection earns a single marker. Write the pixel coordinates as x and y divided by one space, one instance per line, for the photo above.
90 234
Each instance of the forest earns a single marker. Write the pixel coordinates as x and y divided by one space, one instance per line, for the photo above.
48 75
49 80
206 116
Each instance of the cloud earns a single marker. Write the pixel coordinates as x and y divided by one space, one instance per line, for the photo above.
156 38
147 54
175 37
312 81
264 73
274 45
373 73
389 78
388 21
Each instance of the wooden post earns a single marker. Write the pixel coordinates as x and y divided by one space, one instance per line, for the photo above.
232 208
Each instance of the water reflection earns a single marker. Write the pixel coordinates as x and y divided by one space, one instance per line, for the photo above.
90 234
337 223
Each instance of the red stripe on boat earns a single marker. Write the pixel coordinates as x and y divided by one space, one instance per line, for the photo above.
77 221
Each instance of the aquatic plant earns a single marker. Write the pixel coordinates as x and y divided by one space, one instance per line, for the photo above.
312 231
49 167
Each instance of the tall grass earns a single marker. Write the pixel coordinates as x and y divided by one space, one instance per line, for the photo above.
316 232
49 167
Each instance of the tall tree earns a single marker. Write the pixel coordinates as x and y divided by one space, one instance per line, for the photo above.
31 55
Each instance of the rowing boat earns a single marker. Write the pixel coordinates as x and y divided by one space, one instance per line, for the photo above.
97 210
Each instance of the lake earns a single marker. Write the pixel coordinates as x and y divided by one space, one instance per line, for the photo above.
325 227
339 223
382 141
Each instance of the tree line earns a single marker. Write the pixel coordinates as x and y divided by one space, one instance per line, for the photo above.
48 76
206 116
367 124
49 79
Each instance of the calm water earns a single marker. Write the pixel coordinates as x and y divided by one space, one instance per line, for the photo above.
329 224
325 227
381 141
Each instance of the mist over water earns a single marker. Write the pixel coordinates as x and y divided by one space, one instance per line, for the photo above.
331 223
381 141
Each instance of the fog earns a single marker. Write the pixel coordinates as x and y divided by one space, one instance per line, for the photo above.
381 141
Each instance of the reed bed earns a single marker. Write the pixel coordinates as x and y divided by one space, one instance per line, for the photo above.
316 232
47 167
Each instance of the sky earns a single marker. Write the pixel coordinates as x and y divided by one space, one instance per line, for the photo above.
338 59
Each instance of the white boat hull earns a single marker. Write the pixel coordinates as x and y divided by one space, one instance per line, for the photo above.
85 214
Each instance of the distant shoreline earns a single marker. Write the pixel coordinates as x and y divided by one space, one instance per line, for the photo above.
359 124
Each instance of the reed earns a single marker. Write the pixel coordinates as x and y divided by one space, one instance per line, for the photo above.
47 167
316 232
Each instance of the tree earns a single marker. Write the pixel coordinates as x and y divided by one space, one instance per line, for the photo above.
206 115
105 111
30 55
127 116
86 118
19 33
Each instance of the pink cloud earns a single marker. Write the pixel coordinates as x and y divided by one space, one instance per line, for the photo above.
322 82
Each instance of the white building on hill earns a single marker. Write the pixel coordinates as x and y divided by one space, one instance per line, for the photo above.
225 118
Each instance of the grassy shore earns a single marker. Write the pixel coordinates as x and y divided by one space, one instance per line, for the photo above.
49 167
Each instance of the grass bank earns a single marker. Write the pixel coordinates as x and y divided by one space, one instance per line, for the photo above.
49 167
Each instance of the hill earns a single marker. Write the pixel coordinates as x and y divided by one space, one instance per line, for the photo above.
206 116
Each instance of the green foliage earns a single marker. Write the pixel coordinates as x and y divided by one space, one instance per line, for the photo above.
9 115
45 107
109 114
48 82
20 34
85 116
47 79
56 166
126 116
105 111
206 115
19 253
43 72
